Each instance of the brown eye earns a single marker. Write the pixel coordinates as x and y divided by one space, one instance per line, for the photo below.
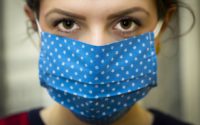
126 24
68 26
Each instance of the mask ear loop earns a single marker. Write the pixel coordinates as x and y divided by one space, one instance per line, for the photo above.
156 33
158 28
38 25
31 35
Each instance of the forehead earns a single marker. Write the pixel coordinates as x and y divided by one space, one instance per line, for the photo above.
96 7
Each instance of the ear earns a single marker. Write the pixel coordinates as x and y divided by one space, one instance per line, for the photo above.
166 22
168 17
30 14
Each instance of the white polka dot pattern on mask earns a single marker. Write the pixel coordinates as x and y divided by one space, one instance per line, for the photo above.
91 80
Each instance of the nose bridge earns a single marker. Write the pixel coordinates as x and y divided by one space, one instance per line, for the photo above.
98 36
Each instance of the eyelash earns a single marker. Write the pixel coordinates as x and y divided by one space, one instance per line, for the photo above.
59 21
136 21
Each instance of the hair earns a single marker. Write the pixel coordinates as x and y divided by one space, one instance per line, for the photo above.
162 6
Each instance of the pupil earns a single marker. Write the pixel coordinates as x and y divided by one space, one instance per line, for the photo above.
68 24
126 24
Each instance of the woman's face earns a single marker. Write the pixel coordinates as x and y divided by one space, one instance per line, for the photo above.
98 22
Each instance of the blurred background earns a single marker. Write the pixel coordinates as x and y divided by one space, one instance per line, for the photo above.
178 91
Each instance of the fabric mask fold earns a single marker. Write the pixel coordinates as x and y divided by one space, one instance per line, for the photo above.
98 91
97 83
96 107
111 63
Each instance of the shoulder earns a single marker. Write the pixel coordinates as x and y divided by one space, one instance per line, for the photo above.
161 118
24 118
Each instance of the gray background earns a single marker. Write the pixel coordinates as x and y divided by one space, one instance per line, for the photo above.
178 88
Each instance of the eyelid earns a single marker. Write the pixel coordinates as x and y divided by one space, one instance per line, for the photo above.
56 21
125 34
58 18
137 21
70 30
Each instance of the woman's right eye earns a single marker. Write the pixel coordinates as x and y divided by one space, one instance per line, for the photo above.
67 26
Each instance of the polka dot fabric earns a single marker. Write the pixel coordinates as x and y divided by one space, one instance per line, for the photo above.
96 82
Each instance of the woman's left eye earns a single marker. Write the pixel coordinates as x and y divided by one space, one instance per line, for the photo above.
67 26
126 26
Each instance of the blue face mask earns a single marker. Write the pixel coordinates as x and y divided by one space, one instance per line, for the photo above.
98 83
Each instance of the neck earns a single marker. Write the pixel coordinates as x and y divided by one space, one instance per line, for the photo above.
136 116
58 115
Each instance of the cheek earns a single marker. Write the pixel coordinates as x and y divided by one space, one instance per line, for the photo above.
149 26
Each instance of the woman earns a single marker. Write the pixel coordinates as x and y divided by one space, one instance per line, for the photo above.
97 60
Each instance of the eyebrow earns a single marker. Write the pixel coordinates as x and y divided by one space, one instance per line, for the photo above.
128 11
118 14
66 13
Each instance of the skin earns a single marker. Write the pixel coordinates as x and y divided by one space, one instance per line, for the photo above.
95 29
